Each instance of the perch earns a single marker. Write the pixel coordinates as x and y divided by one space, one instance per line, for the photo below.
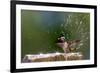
52 57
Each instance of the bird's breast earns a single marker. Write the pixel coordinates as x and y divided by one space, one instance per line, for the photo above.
63 45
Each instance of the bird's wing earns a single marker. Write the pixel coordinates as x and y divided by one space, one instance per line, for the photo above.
74 43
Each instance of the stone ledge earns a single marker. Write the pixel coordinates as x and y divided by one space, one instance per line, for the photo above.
52 57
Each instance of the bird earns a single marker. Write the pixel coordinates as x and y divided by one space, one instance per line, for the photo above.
67 46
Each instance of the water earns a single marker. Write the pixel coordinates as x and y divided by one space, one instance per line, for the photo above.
40 30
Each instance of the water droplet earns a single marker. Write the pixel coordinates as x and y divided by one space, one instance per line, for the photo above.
57 53
80 22
41 54
80 44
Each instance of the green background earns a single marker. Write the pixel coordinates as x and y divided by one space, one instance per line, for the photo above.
40 30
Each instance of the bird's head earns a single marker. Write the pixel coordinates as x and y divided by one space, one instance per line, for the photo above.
61 39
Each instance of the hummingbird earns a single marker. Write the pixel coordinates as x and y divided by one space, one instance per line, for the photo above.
67 45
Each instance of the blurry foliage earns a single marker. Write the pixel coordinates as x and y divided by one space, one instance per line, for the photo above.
40 30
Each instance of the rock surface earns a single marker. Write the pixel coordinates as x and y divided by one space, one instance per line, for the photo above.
52 57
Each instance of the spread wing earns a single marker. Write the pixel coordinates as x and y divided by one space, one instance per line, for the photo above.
73 44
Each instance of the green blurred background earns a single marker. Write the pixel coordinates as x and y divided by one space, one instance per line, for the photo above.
40 30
